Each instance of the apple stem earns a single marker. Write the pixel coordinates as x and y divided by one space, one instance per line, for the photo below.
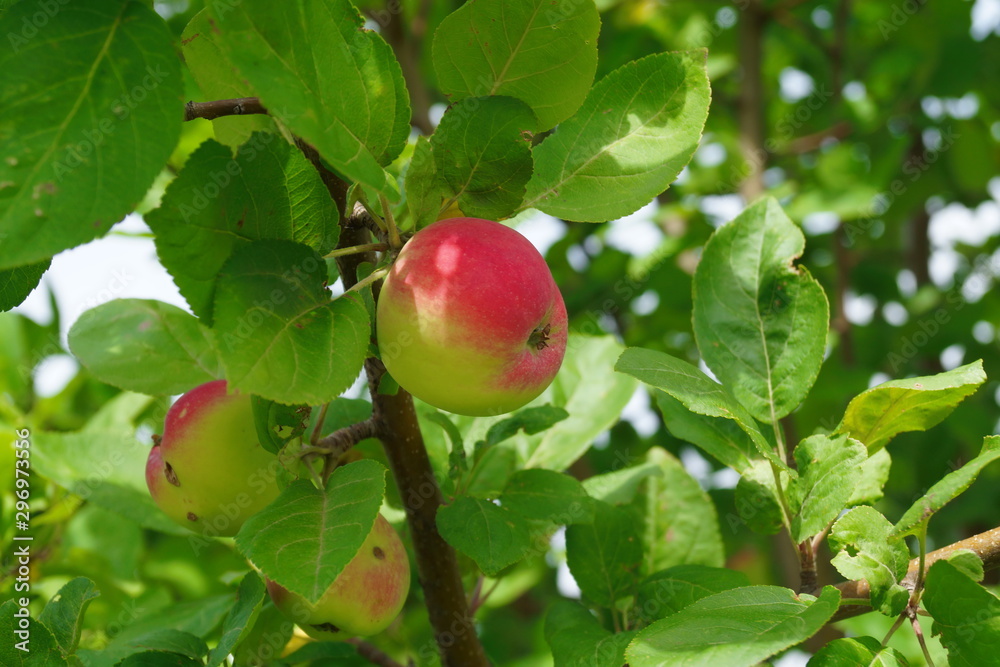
390 223
374 276
353 250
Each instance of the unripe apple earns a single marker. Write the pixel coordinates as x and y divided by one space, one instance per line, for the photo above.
470 319
364 599
208 472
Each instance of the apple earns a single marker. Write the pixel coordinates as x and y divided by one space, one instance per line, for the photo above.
366 596
469 319
208 471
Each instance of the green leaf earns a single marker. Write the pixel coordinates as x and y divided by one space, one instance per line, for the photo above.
279 334
593 395
854 651
278 424
947 488
916 404
322 650
620 486
874 475
482 152
968 562
91 112
966 615
425 192
546 495
168 641
829 470
493 536
331 82
543 53
757 500
605 556
699 393
39 648
668 591
679 520
17 283
735 628
531 420
868 550
578 640
219 80
760 321
159 659
63 614
176 350
634 133
305 538
240 619
723 439
105 467
219 202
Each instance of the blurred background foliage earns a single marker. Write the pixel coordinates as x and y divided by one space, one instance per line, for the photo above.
877 125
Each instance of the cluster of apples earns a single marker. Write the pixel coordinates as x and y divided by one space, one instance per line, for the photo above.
469 320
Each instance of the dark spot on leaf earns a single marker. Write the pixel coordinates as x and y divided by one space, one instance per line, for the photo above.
378 553
192 516
185 42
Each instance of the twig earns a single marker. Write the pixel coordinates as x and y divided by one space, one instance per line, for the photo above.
341 440
240 106
364 247
753 19
372 654
374 276
318 429
390 223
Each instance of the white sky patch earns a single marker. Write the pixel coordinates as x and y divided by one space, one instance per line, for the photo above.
877 379
957 223
952 356
855 91
821 222
895 313
795 84
635 234
541 229
985 19
906 282
710 155
113 267
722 208
646 303
860 308
54 373
984 332
639 413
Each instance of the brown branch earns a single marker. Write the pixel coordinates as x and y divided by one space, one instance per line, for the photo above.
240 106
407 46
753 20
814 141
398 429
341 440
372 654
985 545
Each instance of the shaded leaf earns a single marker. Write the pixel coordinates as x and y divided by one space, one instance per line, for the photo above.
63 614
966 615
305 538
91 112
736 628
546 495
17 283
177 351
605 556
578 640
542 53
668 591
240 619
829 471
294 345
492 536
